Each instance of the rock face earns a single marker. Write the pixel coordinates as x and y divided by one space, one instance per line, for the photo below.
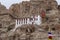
26 9
6 21
2 7
33 7
15 9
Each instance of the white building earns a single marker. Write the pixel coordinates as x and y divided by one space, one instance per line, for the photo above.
32 20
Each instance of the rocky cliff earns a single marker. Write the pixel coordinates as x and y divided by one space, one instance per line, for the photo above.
30 32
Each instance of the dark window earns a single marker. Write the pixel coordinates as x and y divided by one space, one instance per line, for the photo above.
31 19
53 29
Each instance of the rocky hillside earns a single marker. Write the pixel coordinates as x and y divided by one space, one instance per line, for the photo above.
30 32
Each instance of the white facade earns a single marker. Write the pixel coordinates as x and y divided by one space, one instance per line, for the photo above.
38 20
33 20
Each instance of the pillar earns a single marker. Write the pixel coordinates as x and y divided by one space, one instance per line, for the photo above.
27 20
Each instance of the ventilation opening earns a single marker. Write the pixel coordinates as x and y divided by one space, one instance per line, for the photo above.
53 29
